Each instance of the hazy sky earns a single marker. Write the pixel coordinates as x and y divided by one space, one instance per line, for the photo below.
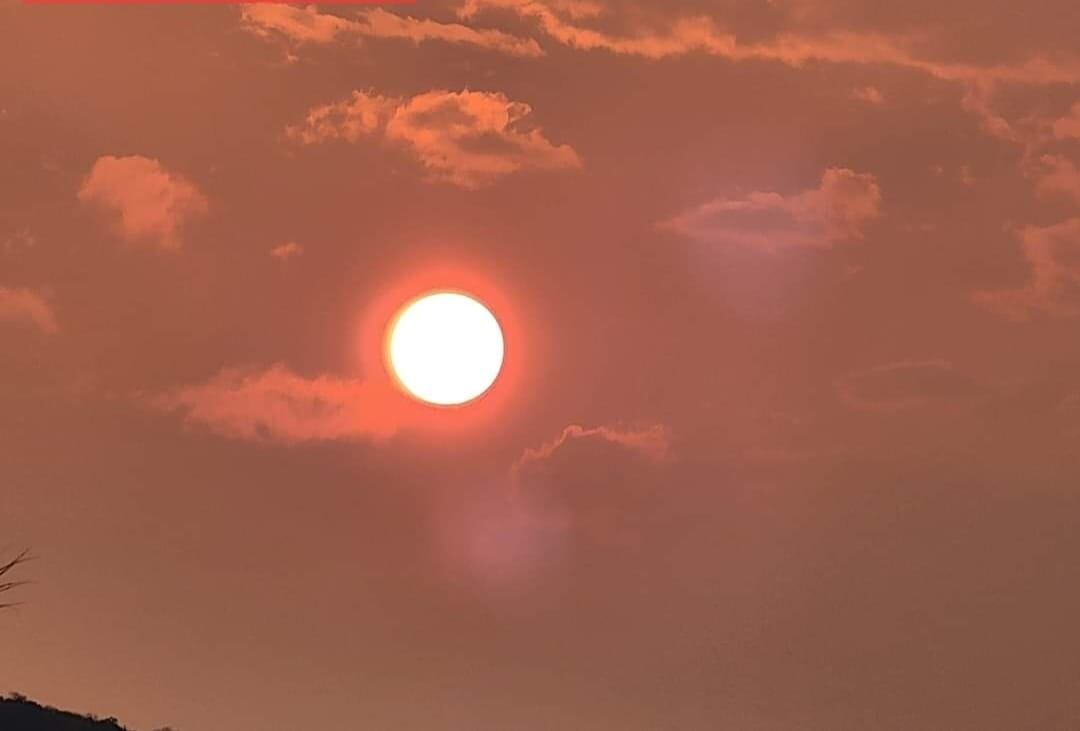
788 435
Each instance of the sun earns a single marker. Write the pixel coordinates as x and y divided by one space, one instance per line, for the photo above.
446 348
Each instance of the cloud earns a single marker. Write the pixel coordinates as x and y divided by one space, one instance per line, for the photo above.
585 487
151 204
837 210
1054 174
277 405
869 94
472 138
1068 127
286 251
363 115
1059 175
466 138
300 24
20 240
652 442
904 386
977 100
594 485
1053 254
560 21
308 25
22 306
557 20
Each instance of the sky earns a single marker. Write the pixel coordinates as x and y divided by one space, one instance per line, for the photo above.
787 432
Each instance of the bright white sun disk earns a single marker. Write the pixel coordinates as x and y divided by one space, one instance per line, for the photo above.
446 349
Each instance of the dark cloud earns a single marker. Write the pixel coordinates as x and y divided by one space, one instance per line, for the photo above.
595 485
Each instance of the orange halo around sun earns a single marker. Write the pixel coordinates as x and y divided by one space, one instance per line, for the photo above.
375 329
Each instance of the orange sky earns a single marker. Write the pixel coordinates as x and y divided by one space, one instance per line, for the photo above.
787 437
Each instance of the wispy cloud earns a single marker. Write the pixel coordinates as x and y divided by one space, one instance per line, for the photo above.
905 385
562 23
837 210
652 442
21 306
300 24
277 405
308 25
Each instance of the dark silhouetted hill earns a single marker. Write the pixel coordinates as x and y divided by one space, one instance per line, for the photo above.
20 714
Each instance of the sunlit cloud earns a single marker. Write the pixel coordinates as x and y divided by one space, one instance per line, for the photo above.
300 24
308 25
148 203
277 405
26 307
466 138
561 22
838 210
1053 286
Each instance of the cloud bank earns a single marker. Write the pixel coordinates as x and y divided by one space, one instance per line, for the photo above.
562 23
